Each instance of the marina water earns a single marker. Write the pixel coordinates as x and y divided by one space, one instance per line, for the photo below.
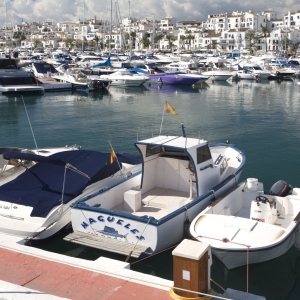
261 118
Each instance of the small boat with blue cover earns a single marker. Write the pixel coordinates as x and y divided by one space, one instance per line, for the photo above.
36 203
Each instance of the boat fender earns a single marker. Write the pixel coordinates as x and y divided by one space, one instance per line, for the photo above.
186 227
191 166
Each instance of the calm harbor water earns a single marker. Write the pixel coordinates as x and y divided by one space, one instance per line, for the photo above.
262 119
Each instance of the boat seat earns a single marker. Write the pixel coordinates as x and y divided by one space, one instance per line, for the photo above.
239 230
164 198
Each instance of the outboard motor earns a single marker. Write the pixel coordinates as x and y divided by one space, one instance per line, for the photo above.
280 188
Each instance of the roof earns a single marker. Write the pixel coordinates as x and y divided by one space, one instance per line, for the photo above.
173 141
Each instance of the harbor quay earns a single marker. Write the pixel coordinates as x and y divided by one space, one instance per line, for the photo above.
32 273
39 274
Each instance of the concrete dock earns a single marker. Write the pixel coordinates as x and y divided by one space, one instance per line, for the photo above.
38 274
29 273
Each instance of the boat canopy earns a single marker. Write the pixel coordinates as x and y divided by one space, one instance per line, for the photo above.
33 157
41 186
44 67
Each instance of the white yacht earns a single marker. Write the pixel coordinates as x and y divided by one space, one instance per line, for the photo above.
123 77
217 74
257 70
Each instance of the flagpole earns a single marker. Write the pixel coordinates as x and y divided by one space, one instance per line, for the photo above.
162 121
116 157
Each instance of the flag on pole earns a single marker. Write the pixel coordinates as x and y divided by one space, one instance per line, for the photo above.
112 156
169 109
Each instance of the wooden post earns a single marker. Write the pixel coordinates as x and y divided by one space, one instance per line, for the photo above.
191 268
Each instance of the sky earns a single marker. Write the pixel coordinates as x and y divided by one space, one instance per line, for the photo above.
72 10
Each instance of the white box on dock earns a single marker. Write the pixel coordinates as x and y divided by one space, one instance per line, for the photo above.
132 200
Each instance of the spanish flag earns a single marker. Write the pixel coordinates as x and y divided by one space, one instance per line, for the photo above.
112 156
169 109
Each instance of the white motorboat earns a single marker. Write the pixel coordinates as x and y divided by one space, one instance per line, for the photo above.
284 73
78 79
14 79
35 204
249 226
123 77
181 67
257 70
180 177
217 74
244 74
44 73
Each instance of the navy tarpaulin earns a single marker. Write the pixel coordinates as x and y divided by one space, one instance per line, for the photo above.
32 157
41 186
43 67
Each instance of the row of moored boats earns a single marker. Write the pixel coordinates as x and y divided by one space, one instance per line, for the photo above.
90 73
140 205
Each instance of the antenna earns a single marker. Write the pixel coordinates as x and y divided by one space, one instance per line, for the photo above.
30 124
82 26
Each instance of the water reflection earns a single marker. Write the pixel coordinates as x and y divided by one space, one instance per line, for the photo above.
274 279
172 89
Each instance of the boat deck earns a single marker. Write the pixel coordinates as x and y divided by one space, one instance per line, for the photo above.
158 202
50 84
106 243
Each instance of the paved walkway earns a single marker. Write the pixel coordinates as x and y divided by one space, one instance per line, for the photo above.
67 281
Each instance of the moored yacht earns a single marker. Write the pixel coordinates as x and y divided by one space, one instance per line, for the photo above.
14 79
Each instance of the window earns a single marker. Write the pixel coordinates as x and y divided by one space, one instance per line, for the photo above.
151 150
203 154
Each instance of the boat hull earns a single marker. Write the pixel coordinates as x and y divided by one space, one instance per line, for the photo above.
144 230
217 76
178 79
236 258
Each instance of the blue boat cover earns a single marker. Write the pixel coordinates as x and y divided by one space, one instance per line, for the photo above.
41 186
104 64
44 67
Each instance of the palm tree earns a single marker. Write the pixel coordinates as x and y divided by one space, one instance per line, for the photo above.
69 43
36 43
182 39
97 40
158 38
286 43
20 36
265 32
251 37
170 39
189 38
145 41
214 44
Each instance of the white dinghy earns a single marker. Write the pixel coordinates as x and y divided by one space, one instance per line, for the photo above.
248 226
180 176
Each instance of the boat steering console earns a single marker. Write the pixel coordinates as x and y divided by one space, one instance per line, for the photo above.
262 199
